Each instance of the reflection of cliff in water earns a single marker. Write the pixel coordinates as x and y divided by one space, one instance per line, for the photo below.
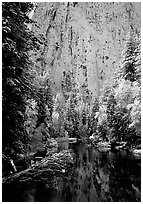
94 177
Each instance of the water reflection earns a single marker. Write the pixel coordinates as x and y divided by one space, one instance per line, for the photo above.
95 176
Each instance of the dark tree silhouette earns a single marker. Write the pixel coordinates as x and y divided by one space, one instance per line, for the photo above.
17 41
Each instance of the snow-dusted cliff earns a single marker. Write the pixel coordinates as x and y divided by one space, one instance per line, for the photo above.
83 39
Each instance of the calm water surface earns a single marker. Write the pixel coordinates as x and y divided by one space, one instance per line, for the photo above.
94 177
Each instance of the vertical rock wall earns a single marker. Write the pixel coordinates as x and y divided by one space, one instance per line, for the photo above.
85 39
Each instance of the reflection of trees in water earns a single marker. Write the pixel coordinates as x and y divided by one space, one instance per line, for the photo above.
123 179
90 181
78 183
102 177
101 171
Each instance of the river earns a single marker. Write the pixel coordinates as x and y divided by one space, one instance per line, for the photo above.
95 176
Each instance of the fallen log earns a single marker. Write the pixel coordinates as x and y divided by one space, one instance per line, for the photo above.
116 146
43 169
72 140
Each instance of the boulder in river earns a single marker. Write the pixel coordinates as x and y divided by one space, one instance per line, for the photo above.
136 152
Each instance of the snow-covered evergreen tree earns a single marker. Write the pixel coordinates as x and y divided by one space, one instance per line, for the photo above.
131 57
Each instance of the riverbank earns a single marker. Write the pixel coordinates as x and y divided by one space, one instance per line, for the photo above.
104 146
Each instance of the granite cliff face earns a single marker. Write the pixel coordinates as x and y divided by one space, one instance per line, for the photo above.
85 40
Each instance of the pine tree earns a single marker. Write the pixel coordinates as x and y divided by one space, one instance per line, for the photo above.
17 41
130 54
137 62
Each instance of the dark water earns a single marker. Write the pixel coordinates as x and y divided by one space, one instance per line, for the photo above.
94 177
